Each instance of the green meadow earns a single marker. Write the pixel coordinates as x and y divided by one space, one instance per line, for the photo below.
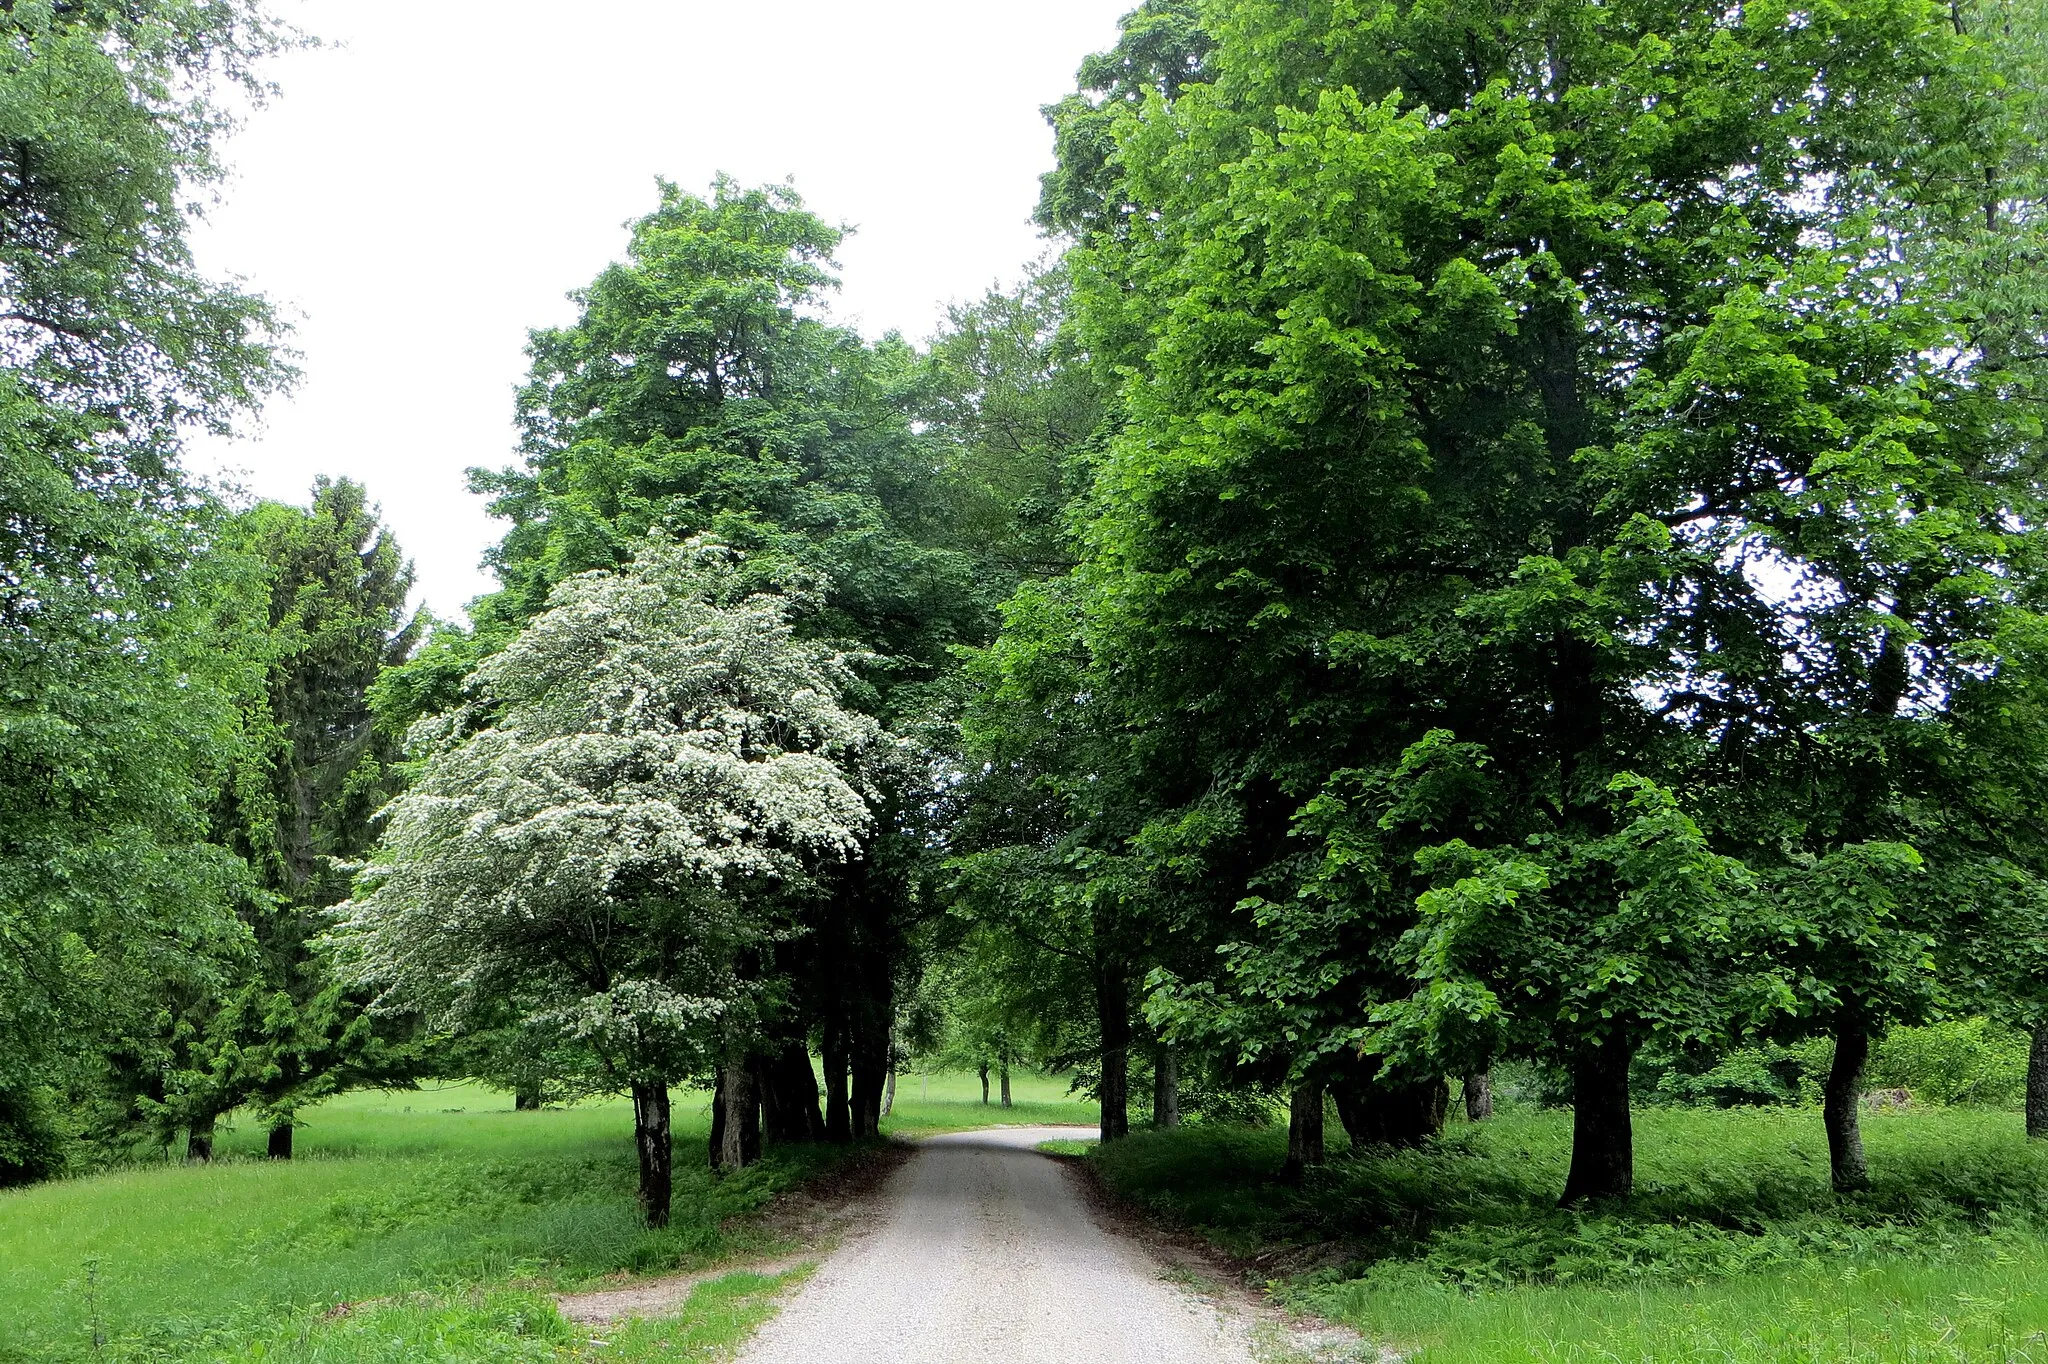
425 1224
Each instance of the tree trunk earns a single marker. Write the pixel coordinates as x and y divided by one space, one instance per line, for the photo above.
1006 1082
789 1096
717 1141
280 1146
889 1094
651 1139
740 1144
1304 1129
1166 1087
526 1099
838 1109
1377 1111
984 1084
1603 1140
1479 1095
870 1070
2037 1083
1113 1010
1842 1109
199 1140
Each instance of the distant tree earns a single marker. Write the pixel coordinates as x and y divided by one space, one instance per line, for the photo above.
613 834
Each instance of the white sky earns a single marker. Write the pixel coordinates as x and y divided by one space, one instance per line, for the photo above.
433 183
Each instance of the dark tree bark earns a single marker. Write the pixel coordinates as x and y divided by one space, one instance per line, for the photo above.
2037 1083
870 1074
199 1140
1479 1095
740 1139
1842 1109
838 1107
1113 1010
1304 1129
717 1139
1603 1138
526 1099
280 1143
651 1137
789 1096
1377 1111
1006 1082
1166 1087
983 1068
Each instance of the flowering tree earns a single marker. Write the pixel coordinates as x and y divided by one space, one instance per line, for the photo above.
609 834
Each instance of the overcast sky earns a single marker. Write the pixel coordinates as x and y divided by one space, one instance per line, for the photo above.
432 183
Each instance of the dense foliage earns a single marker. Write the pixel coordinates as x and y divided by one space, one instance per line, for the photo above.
1562 576
1501 534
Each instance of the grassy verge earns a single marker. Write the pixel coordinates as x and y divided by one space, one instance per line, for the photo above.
1733 1249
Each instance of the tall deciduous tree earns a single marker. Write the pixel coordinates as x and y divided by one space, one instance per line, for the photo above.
1572 379
117 716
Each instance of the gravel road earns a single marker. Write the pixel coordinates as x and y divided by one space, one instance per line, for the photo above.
982 1250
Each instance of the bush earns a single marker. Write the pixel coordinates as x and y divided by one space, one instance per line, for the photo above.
31 1145
1748 1078
1971 1061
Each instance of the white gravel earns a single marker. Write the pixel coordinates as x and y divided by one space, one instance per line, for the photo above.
984 1251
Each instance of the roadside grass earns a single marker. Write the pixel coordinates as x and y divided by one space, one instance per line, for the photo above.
927 1104
1734 1248
517 1328
1060 1146
441 1193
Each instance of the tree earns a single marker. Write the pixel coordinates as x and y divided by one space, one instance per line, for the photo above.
1486 371
118 715
698 392
303 800
614 833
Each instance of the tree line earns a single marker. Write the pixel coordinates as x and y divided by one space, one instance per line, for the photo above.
1495 533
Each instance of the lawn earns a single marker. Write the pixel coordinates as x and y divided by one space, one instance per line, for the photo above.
926 1104
1734 1248
443 1209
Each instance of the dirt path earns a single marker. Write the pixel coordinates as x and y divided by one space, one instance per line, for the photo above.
984 1250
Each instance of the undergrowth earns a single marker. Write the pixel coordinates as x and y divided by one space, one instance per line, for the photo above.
1733 1249
1718 1193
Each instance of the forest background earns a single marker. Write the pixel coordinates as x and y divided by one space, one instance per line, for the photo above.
1497 544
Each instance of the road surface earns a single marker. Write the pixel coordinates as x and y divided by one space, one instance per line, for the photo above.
983 1252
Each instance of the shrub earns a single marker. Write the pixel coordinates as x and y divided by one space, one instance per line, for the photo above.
31 1145
1970 1061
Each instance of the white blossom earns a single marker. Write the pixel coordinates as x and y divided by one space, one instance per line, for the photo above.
644 774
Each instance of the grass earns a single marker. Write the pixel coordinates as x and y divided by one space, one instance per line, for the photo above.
436 1220
1733 1249
927 1104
